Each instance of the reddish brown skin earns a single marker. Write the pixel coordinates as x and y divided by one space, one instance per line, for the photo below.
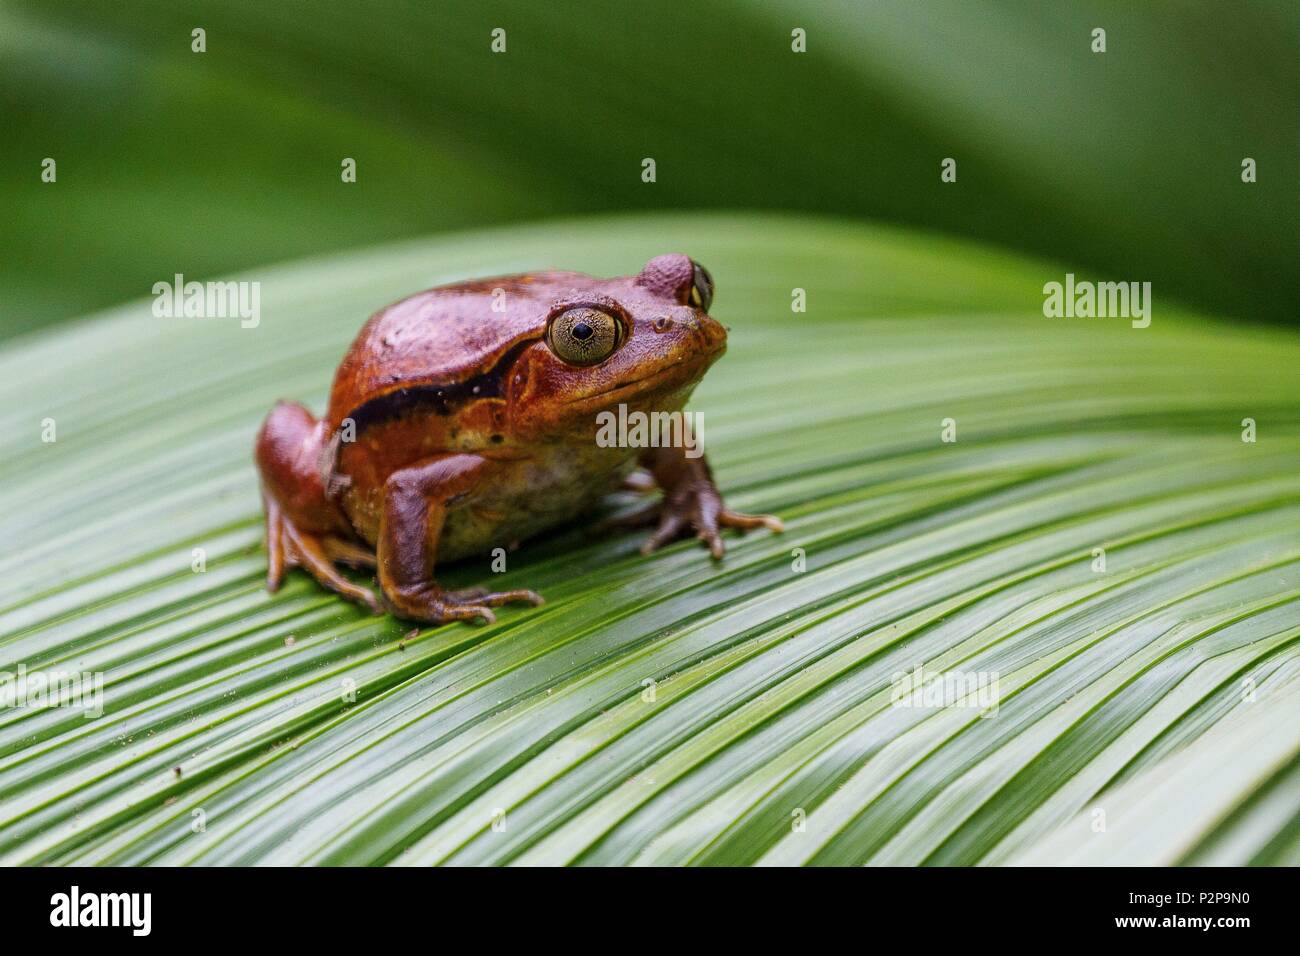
453 428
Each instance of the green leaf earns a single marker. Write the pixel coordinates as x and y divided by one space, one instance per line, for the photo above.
1161 690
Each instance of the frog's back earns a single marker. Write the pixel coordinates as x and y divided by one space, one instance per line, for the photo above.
435 345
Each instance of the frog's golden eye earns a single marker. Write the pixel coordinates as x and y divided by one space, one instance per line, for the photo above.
583 336
701 294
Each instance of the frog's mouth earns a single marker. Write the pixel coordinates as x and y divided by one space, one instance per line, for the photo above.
684 372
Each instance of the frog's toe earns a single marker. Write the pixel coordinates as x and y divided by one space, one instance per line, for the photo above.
494 598
712 539
710 522
735 519
275 547
514 596
474 613
342 551
310 553
478 613
670 526
430 604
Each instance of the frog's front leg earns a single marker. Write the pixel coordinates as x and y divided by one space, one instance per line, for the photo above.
691 502
415 506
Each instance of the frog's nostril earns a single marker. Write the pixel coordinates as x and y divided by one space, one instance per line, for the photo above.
663 324
715 333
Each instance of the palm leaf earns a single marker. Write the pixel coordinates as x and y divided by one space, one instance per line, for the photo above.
244 728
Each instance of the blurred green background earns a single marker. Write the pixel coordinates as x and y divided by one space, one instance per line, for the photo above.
1126 164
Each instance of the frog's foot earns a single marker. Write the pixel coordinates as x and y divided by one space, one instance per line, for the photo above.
288 547
430 604
692 503
699 510
706 516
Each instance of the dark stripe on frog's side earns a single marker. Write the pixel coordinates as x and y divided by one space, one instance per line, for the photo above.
437 398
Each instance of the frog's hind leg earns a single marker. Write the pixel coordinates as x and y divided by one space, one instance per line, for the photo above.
303 527
288 547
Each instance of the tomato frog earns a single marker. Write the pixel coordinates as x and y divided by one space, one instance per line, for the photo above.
464 419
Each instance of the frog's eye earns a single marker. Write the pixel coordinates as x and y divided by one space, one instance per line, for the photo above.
583 336
701 294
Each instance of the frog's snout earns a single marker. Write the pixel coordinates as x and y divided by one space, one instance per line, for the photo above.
712 332
691 333
709 333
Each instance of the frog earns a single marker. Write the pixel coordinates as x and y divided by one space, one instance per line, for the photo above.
465 419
